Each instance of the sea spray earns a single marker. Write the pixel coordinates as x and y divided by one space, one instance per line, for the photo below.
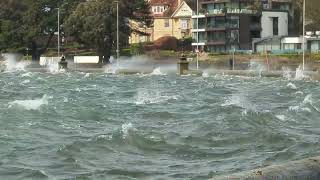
287 74
157 71
257 67
300 74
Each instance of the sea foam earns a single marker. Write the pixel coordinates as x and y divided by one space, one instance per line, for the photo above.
30 104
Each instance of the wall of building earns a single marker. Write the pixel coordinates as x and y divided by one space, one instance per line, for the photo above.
159 29
177 30
267 23
314 46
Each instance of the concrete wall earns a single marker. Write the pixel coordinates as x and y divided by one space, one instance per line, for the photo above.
86 59
45 61
267 23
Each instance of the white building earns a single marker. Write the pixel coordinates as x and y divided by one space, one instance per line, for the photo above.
274 23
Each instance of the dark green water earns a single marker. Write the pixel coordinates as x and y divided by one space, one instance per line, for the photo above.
99 126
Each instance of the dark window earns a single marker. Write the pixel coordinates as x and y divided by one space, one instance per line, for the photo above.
166 23
275 26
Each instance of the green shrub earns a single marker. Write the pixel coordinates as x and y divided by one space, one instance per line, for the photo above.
126 52
136 49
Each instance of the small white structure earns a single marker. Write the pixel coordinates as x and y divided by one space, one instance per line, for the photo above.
291 43
86 59
46 61
274 23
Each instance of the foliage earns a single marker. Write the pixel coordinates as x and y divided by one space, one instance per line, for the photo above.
93 23
136 49
312 13
30 24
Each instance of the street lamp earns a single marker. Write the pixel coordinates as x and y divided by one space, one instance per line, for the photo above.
197 51
303 36
118 51
58 31
27 49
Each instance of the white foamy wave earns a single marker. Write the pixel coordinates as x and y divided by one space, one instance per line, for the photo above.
281 117
30 104
205 74
304 105
299 109
26 81
307 99
28 74
157 71
292 86
125 129
87 75
240 101
299 93
151 97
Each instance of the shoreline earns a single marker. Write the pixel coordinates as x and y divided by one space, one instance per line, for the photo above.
305 169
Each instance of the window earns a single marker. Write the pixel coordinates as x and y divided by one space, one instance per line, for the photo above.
275 22
219 6
184 24
166 23
158 9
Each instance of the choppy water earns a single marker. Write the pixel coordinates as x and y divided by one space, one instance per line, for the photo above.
99 126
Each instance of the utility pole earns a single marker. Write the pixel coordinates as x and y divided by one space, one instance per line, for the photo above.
303 36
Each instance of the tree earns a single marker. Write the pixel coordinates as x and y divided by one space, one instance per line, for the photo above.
40 23
32 24
93 23
11 13
312 13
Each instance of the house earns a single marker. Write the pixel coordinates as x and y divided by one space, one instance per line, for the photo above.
171 18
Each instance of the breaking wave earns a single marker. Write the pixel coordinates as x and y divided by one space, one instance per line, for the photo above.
35 104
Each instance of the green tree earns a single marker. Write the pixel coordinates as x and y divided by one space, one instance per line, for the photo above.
93 23
11 13
312 13
40 23
30 23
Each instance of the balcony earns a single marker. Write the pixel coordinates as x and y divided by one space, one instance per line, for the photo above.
216 42
216 27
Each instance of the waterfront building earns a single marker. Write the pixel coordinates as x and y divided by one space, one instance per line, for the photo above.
170 18
228 25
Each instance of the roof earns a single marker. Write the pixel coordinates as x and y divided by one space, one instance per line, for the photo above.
173 5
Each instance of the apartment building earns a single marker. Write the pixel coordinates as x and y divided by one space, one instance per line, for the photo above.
227 25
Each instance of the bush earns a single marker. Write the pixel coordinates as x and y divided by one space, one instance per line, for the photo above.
126 52
315 56
136 49
166 43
